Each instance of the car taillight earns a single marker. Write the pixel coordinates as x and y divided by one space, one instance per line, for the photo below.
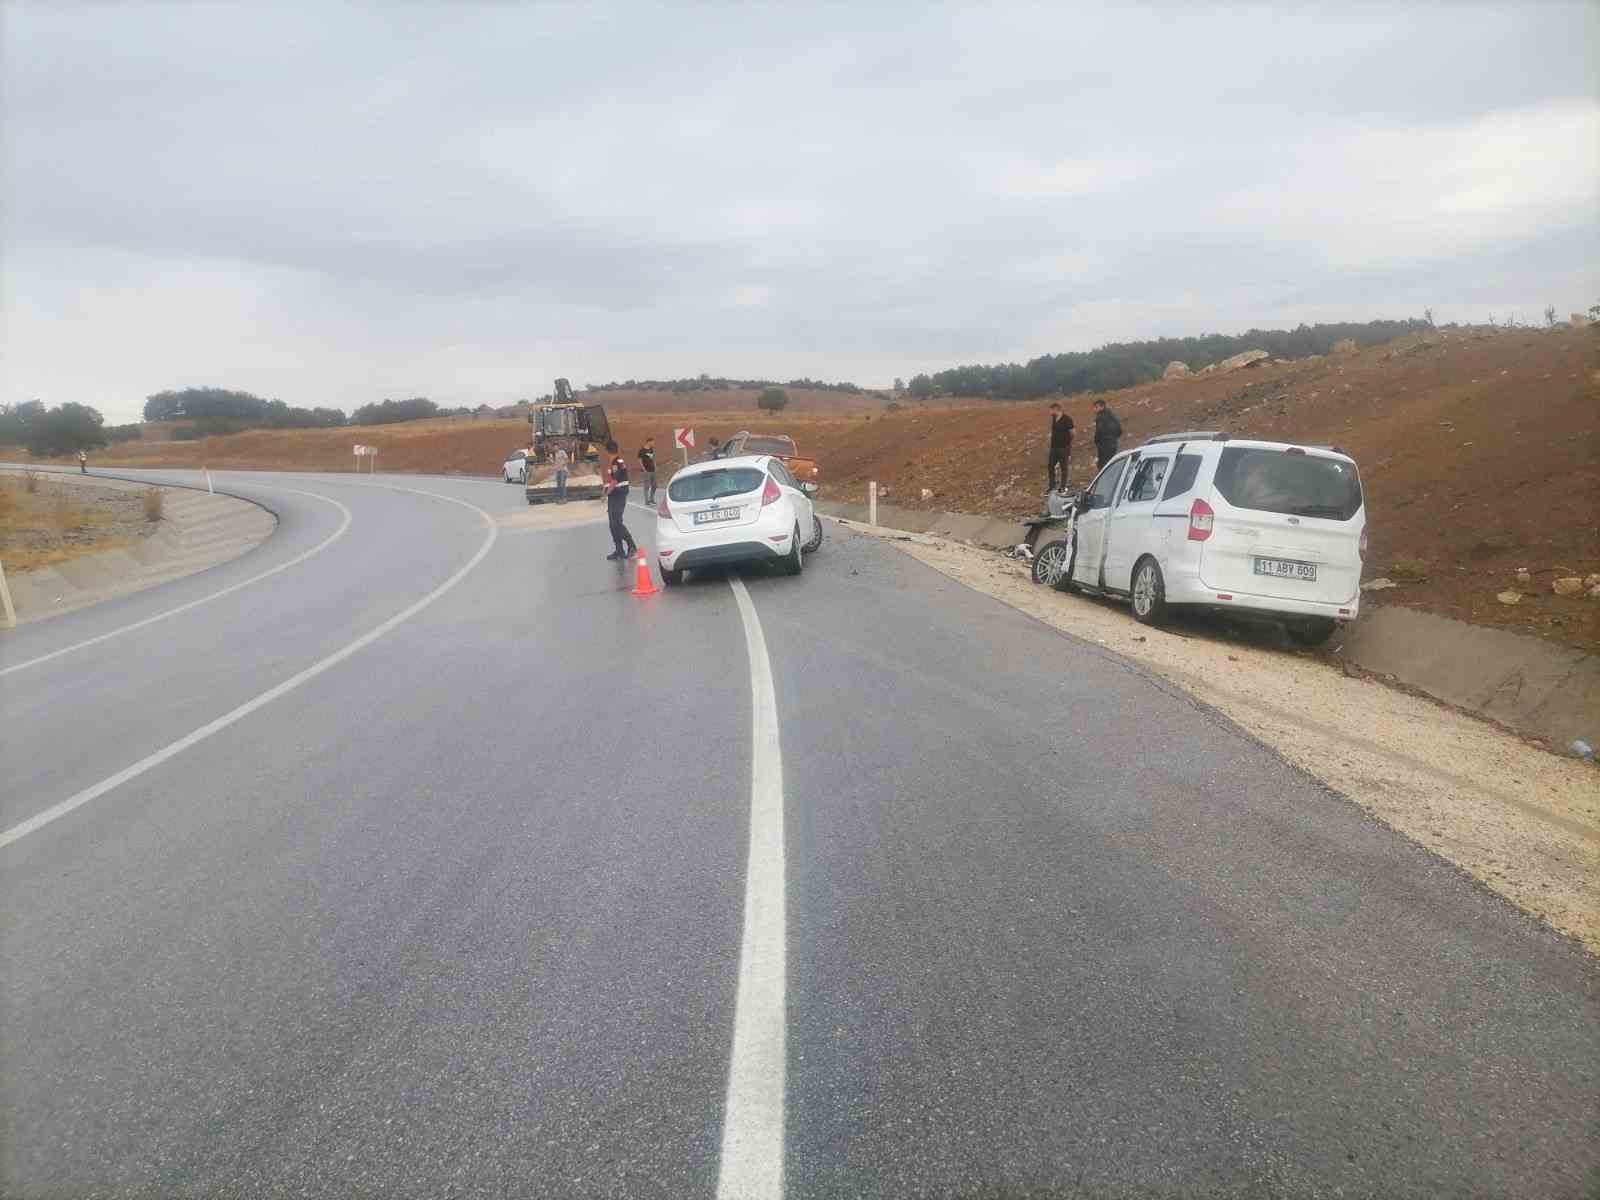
661 508
1201 518
770 493
1361 547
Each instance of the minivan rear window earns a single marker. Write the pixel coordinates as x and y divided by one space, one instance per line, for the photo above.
1306 485
713 485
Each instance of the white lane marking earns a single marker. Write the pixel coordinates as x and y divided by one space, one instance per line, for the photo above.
752 1121
24 828
344 524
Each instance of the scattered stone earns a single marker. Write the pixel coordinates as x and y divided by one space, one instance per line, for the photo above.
927 494
1509 597
1524 579
1176 370
1378 585
1594 592
1243 359
1590 580
1567 585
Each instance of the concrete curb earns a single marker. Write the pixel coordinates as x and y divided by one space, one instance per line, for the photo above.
962 527
198 531
1552 692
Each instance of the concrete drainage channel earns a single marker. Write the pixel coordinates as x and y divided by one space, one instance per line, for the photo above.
1535 688
197 531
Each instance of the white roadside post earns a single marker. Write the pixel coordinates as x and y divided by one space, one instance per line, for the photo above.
872 503
209 490
356 450
8 615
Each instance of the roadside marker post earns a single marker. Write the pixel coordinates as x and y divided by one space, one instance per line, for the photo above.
8 615
209 491
358 450
872 503
685 440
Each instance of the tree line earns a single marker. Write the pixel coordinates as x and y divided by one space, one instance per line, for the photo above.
212 411
1126 364
708 383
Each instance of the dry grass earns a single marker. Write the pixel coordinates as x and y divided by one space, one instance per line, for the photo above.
42 525
152 504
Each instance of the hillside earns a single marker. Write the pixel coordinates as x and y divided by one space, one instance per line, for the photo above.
1480 450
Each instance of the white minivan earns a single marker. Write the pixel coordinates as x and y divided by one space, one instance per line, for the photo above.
1224 523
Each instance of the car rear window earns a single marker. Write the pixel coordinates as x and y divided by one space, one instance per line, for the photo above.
769 445
713 485
1306 485
1183 476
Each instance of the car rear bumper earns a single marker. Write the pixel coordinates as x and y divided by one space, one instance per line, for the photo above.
1193 591
764 540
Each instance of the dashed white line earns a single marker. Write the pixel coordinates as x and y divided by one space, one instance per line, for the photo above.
344 524
752 1120
23 828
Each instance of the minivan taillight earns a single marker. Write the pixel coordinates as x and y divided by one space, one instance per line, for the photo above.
661 508
1201 518
770 494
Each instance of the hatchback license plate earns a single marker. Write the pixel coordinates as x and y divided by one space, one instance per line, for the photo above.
711 516
1284 568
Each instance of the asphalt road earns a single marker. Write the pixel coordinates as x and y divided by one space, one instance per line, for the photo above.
436 863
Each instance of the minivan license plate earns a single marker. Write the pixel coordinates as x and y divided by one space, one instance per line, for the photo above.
710 516
1283 568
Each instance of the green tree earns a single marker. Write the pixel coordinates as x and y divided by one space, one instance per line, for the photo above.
66 429
17 419
773 399
922 386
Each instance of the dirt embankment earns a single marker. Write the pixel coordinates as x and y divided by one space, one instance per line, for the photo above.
45 520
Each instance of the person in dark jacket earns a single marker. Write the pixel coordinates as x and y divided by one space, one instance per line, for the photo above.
1060 447
616 502
1107 433
647 468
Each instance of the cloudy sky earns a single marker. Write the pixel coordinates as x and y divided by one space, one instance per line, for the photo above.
334 204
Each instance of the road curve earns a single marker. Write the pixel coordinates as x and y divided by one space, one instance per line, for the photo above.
452 901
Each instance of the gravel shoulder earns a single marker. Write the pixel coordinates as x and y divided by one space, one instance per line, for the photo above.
1524 822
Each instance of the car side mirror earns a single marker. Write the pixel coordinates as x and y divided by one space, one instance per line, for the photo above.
808 488
1085 502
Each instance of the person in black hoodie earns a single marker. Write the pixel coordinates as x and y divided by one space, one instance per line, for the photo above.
647 469
1060 447
1107 433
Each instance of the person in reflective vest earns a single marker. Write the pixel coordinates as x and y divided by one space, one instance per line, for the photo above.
616 502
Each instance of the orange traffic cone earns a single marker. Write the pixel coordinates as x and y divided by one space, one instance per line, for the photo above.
644 583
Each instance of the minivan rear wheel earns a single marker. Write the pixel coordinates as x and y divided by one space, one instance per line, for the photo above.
1149 593
1311 632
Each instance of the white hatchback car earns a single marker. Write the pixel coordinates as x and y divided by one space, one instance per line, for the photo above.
1227 524
516 467
732 510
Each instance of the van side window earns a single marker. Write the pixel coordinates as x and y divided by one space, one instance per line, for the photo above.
1147 480
1183 475
1105 486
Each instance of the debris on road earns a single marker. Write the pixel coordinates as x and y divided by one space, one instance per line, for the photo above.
1509 597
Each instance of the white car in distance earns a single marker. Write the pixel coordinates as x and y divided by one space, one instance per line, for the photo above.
516 467
735 510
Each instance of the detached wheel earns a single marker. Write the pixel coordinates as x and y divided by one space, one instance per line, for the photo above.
1311 633
796 561
1050 563
1149 593
815 543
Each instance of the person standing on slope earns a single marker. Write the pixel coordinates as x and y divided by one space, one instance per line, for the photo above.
1060 448
616 502
1107 433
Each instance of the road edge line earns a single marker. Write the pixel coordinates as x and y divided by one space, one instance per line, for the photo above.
56 811
753 1115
